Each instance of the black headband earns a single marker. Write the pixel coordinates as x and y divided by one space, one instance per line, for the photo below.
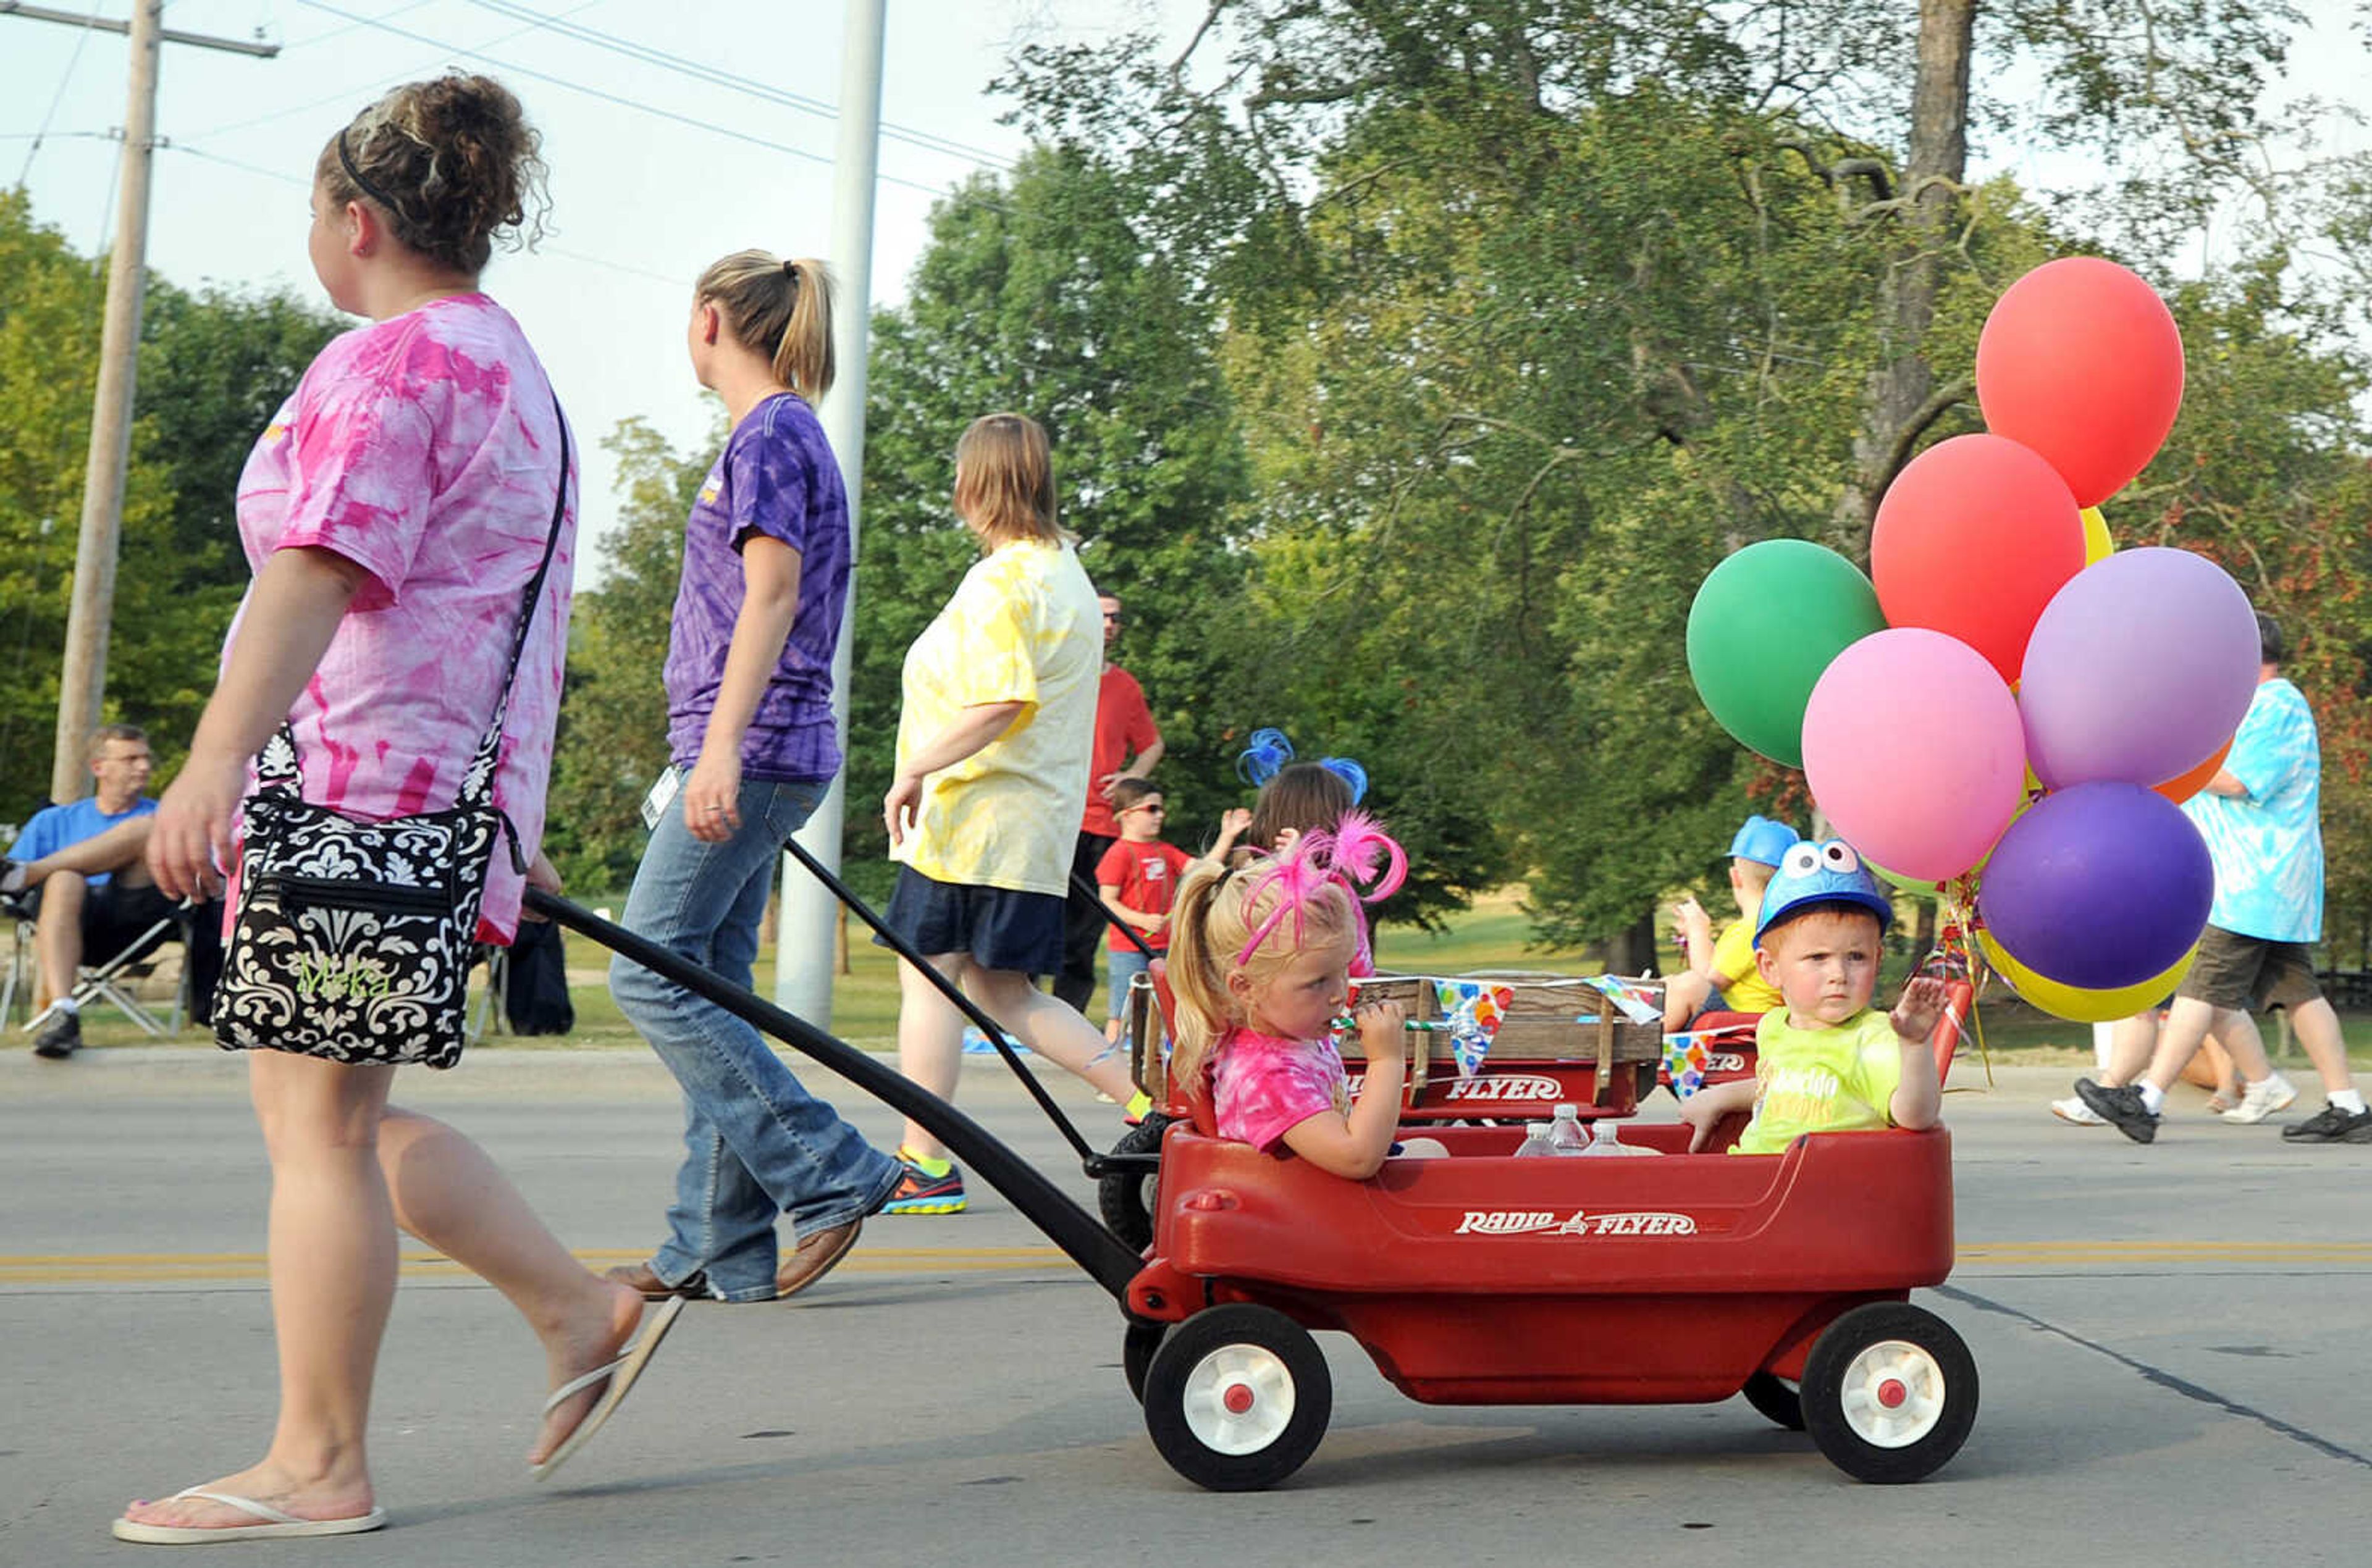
346 162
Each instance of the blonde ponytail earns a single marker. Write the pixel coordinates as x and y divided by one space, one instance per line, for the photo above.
780 308
803 357
1196 980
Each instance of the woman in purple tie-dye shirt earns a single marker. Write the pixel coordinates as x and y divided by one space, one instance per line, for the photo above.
753 739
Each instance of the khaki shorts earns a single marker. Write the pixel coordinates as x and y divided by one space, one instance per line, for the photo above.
2237 971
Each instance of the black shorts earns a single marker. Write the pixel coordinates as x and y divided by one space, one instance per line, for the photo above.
996 927
2237 971
113 916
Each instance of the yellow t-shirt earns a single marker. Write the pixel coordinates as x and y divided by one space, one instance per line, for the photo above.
1733 953
1824 1080
1022 626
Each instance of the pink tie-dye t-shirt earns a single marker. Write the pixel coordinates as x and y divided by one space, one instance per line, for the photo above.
425 449
1262 1086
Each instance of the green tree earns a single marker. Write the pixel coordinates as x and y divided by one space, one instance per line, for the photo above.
214 367
613 713
1539 307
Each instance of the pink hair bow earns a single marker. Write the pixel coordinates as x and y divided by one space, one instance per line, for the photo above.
1356 853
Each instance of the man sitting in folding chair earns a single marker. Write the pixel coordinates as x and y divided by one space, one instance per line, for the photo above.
80 872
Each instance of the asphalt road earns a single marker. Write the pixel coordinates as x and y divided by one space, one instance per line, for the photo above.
2171 1342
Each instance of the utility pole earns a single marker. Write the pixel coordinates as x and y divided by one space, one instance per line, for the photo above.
81 682
803 940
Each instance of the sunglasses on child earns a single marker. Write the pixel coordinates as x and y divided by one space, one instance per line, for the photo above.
1156 807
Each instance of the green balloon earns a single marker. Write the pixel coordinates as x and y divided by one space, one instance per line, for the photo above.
1764 625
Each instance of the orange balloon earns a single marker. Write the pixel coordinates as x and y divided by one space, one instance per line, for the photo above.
2182 788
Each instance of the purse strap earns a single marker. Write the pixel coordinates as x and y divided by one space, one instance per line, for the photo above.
276 765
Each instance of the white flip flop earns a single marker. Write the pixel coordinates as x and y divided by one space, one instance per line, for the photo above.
622 1374
273 1522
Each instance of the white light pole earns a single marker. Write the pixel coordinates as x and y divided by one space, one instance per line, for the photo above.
803 946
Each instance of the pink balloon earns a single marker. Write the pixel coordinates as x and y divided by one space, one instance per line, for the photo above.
1913 749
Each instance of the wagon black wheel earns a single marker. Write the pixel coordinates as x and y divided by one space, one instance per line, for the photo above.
1889 1392
1126 1196
1136 1348
1777 1399
1237 1397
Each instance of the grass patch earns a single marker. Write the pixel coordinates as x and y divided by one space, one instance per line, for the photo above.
1493 935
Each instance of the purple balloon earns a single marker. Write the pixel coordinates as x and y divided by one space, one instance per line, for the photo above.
2140 667
2099 885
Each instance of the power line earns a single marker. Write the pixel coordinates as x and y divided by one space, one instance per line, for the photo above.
345 95
279 177
622 103
928 140
81 37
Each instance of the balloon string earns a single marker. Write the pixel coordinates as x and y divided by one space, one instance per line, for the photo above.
1960 920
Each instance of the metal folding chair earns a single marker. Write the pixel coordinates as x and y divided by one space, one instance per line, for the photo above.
108 980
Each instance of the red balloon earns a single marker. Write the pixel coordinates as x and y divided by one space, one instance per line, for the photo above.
2081 360
1972 538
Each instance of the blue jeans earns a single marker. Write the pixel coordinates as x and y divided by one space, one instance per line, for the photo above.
1120 966
756 1145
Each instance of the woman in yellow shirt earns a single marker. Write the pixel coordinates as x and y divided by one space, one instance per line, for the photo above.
995 726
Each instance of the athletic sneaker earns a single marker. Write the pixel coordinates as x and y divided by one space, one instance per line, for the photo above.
2121 1107
2332 1125
2074 1110
919 1193
60 1037
2261 1098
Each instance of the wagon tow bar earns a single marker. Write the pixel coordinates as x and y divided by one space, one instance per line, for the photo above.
1070 1227
1096 1164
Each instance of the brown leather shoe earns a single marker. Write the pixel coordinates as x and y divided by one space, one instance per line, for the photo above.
639 1277
815 1258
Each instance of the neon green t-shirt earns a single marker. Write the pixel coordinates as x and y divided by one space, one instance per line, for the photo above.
1834 1079
1733 953
1022 627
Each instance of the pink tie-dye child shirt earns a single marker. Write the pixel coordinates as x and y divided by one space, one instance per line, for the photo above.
425 449
1262 1086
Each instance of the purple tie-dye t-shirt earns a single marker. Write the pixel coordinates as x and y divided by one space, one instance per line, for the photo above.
776 477
425 449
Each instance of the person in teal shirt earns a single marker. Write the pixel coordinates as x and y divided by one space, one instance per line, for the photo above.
1826 1062
2261 817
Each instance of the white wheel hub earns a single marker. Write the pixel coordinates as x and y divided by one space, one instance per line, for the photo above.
1892 1394
1239 1400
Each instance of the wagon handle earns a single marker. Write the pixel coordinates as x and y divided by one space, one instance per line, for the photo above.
953 993
1094 1249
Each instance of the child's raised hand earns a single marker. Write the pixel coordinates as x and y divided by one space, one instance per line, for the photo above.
1233 821
1920 1009
1696 926
1285 837
1383 1031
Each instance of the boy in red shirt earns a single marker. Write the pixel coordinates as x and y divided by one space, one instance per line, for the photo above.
1137 877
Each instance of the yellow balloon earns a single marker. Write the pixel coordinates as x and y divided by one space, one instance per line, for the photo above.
2078 1006
2097 543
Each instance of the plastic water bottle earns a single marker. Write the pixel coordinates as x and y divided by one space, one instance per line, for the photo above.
1602 1141
1565 1136
1536 1142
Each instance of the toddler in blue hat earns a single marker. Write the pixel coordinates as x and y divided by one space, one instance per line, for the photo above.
1827 1062
1721 974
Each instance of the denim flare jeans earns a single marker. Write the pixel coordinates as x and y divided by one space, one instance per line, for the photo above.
756 1145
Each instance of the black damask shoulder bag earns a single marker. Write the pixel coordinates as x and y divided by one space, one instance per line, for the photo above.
354 939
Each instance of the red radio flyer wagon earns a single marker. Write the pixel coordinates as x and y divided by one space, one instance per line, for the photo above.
1480 1277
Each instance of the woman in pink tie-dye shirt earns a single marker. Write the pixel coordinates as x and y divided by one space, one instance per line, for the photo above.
394 513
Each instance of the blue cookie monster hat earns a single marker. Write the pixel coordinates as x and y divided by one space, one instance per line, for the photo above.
1763 841
1827 871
